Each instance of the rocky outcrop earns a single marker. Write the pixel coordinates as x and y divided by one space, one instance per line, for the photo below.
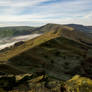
79 84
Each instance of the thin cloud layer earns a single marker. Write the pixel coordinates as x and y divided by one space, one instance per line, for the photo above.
39 12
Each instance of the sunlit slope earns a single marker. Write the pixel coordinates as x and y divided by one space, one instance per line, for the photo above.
76 33
79 84
26 46
35 42
59 56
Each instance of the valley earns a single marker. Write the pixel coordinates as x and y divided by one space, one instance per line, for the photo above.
7 42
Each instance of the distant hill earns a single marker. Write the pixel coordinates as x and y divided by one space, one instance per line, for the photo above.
90 27
15 31
25 30
83 28
45 28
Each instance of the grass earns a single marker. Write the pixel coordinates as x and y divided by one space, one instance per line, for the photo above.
43 39
40 52
79 84
9 69
26 46
14 31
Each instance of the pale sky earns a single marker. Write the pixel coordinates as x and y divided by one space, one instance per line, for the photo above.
40 12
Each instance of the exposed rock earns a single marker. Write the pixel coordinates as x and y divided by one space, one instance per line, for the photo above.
79 84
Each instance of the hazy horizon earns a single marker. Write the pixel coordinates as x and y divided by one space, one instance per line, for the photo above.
40 25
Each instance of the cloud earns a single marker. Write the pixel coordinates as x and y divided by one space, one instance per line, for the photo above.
38 12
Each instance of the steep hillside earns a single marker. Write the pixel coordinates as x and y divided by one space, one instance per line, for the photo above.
53 34
77 33
60 57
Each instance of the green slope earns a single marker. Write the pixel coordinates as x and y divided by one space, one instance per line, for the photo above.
57 53
15 31
9 70
60 57
77 33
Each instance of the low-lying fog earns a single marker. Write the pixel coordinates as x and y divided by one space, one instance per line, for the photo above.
6 42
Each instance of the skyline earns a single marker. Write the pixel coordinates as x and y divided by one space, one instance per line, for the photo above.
40 12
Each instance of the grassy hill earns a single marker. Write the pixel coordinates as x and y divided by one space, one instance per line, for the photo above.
58 53
15 31
53 34
52 52
77 33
